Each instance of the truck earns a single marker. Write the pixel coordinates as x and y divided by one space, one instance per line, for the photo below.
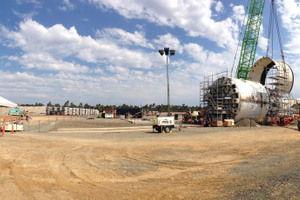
163 124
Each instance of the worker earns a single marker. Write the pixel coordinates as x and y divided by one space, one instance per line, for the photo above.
281 121
27 116
298 125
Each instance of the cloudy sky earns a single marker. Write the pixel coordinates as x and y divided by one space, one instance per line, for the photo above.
105 51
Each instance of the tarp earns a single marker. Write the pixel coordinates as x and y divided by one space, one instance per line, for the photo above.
6 103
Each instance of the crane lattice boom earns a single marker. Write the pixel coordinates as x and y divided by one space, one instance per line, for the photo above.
250 38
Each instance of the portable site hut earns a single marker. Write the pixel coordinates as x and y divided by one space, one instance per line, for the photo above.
110 113
65 111
95 112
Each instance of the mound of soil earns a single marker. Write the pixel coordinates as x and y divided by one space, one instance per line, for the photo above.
246 123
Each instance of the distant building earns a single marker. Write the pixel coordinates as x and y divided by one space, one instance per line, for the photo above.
110 113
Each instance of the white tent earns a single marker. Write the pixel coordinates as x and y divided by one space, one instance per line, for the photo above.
6 103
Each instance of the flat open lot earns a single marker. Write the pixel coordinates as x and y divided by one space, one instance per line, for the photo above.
106 160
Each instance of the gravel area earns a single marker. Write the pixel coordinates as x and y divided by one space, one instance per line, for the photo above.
116 159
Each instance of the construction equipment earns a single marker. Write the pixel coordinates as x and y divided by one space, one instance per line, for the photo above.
232 98
260 89
284 121
163 124
250 39
281 121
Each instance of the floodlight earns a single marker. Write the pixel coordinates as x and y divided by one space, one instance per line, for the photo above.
161 51
172 52
166 50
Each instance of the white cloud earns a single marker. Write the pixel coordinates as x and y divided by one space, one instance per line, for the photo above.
46 62
24 15
67 5
117 69
290 19
36 3
59 43
98 70
196 51
125 38
262 41
238 13
208 61
168 40
195 17
219 7
133 75
290 15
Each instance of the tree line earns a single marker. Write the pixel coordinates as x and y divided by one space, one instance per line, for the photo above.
100 107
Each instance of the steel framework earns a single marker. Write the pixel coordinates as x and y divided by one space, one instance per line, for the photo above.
250 39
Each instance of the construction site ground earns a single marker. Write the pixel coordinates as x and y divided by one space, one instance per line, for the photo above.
79 158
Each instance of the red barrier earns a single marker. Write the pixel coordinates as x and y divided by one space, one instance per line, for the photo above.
3 128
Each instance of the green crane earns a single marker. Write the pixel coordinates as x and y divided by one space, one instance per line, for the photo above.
250 39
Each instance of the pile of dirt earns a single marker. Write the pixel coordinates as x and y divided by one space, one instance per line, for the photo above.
246 123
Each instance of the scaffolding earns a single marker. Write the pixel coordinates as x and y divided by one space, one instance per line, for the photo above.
281 99
213 101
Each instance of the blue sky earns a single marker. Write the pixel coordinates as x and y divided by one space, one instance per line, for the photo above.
105 51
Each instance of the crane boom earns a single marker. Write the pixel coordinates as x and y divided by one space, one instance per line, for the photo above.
250 39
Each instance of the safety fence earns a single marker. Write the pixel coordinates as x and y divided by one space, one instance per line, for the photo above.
14 125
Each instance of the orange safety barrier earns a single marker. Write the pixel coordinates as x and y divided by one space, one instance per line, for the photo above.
3 128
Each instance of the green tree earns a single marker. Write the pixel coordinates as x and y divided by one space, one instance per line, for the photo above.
72 105
87 105
99 107
49 104
57 105
66 104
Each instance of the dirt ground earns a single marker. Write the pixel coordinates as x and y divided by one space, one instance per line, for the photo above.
77 158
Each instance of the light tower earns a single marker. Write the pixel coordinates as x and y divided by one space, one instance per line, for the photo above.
167 52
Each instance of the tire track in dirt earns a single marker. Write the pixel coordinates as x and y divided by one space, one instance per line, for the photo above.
133 165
